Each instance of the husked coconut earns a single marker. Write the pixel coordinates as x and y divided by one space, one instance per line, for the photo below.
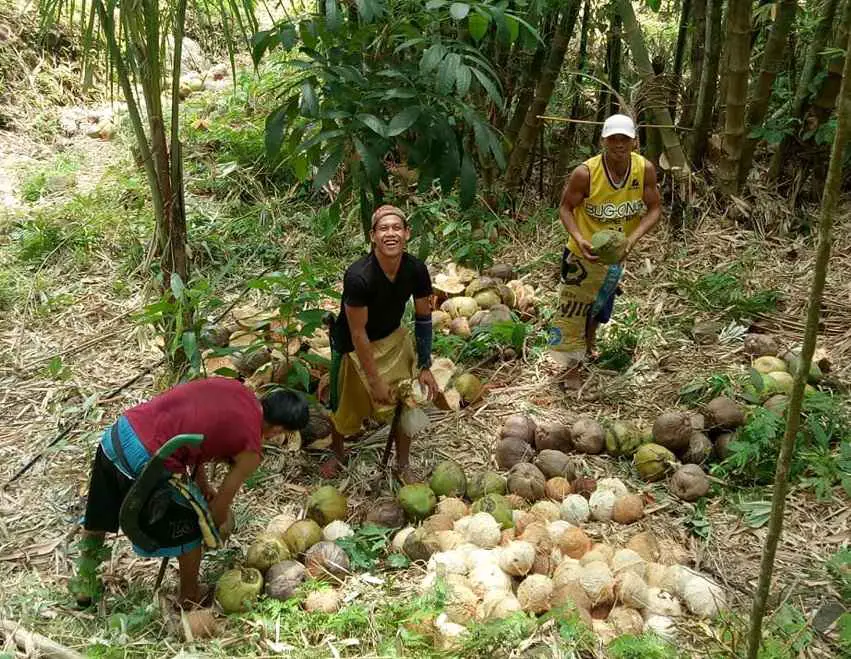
566 572
555 463
498 605
575 543
336 530
519 426
420 545
571 596
557 488
655 574
507 536
602 505
724 413
477 556
599 552
628 509
554 436
597 582
698 422
398 542
487 577
689 483
516 502
283 579
626 621
631 590
534 593
325 601
510 452
615 485
673 430
583 486
461 605
452 507
699 449
460 327
627 560
326 560
703 597
662 626
438 522
448 562
527 481
388 513
546 510
449 635
447 540
279 524
557 529
662 603
644 544
517 558
483 531
603 631
589 436
574 509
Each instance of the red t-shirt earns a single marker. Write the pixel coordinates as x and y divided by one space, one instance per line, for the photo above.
225 411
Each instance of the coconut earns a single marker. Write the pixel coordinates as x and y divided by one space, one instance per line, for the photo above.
448 479
779 381
653 461
326 560
302 535
452 561
623 438
793 362
588 436
448 285
574 509
583 486
768 364
519 426
461 605
387 513
556 530
628 560
440 319
487 299
628 509
498 605
673 431
438 522
487 482
460 306
575 543
199 624
557 488
547 510
724 413
469 386
608 246
555 463
602 504
626 621
322 601
497 507
237 589
517 502
759 345
644 544
527 481
630 589
510 452
498 313
327 504
488 577
615 485
703 597
599 552
534 593
517 558
483 531
554 436
420 545
398 542
502 271
721 449
777 404
480 285
283 579
698 422
452 507
479 318
567 571
699 449
571 596
526 518
507 536
597 582
538 535
460 327
689 483
662 626
448 540
417 500
265 551
660 602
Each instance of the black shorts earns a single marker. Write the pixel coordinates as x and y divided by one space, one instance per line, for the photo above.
107 489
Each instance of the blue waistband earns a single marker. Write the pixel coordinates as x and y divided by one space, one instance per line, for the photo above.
135 452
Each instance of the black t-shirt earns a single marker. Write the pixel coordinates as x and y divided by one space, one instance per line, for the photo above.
366 285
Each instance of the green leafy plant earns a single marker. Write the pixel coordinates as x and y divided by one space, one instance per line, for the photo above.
698 392
725 292
620 341
367 546
646 646
485 341
838 566
699 524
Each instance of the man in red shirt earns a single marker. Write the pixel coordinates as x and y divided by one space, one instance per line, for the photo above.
233 423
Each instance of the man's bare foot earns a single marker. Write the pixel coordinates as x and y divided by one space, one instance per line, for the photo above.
331 468
406 475
200 599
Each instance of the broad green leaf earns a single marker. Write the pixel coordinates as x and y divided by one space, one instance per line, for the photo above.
373 122
370 163
467 191
260 43
462 80
489 87
398 93
224 371
477 25
275 126
459 10
190 349
403 121
328 168
300 167
446 73
287 36
435 4
177 286
432 57
449 167
307 31
333 18
513 28
298 375
309 105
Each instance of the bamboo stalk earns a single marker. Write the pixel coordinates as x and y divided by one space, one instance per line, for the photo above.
28 641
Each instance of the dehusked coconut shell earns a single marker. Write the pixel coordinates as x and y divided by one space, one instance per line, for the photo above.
589 436
689 483
555 463
519 426
724 413
673 430
527 481
554 436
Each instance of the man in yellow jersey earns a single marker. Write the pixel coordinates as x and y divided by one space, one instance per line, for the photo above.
615 190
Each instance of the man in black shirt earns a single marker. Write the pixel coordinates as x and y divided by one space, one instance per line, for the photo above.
373 352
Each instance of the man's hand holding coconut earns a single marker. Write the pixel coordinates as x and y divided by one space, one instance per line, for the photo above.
372 352
609 203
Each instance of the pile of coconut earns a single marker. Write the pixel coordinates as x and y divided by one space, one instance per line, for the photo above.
468 300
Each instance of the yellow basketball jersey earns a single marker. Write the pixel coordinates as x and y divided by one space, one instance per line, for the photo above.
609 206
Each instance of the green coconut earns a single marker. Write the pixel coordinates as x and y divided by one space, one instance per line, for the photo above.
237 589
469 386
302 535
767 364
793 361
623 438
417 500
448 480
485 482
609 246
653 461
498 507
778 382
327 505
265 551
488 299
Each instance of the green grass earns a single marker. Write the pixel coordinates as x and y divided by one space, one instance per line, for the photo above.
727 292
646 646
54 177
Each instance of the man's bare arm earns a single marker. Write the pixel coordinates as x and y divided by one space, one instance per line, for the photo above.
653 203
576 190
243 466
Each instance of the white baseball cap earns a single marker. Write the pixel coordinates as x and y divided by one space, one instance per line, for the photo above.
619 124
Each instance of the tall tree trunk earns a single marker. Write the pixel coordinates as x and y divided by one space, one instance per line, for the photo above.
708 83
825 100
531 125
696 63
526 95
679 55
772 63
738 65
802 91
615 58
661 116
829 202
719 113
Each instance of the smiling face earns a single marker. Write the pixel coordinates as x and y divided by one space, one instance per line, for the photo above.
618 148
390 235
